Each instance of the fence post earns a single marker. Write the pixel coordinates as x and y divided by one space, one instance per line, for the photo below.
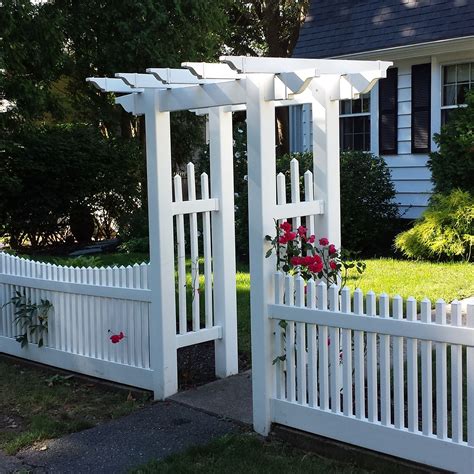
470 380
326 159
161 276
262 192
223 241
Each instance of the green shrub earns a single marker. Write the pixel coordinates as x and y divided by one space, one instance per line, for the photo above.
54 177
445 230
368 210
452 167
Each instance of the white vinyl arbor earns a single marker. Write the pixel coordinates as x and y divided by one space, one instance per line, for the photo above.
258 85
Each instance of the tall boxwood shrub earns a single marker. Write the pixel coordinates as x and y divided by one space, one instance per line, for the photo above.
452 166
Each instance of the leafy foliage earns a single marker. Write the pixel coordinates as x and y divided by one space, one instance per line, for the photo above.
445 230
368 210
31 317
452 166
50 175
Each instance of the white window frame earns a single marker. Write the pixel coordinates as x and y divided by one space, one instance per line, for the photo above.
359 114
441 90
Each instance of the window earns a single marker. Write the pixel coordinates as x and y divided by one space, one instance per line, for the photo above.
457 79
355 124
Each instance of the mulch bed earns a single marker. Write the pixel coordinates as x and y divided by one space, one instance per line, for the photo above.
196 365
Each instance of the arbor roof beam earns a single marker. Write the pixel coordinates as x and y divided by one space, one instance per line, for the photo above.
249 65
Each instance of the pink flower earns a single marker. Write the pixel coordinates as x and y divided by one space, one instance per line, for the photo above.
324 241
333 265
295 261
290 236
311 239
302 231
286 226
115 338
315 267
283 239
332 249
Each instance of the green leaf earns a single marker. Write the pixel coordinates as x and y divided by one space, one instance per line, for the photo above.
269 252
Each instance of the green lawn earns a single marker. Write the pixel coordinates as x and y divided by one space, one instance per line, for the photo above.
38 404
245 454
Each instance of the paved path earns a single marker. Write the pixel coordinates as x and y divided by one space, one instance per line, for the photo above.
154 432
229 398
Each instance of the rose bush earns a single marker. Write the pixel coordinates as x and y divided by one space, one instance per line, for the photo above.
298 254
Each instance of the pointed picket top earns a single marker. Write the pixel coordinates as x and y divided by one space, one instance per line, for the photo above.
397 307
346 299
384 301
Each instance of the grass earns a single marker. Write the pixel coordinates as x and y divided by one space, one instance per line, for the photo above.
244 454
38 404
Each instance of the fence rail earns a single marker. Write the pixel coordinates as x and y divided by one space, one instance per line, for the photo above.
365 370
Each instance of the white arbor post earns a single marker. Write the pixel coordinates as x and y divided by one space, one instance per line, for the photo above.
160 218
326 158
223 241
262 202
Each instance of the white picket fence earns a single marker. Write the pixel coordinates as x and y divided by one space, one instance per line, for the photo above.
91 304
351 371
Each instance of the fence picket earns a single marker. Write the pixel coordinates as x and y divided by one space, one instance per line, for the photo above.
193 228
206 229
290 343
456 378
346 356
181 258
312 348
371 362
309 196
426 374
279 340
398 375
295 187
385 399
322 303
412 371
300 344
334 352
441 377
359 364
470 380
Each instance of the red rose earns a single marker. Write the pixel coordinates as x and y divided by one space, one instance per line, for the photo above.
333 264
283 239
311 239
286 226
315 267
317 259
115 338
295 261
332 249
302 231
121 335
308 260
290 236
324 241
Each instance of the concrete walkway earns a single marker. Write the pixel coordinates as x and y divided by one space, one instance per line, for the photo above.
190 418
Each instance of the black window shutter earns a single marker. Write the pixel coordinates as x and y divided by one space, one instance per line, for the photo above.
388 113
421 108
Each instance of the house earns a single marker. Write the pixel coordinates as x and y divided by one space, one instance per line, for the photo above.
431 43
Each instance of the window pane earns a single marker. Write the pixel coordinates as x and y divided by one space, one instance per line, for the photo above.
366 103
357 106
449 74
461 93
463 72
449 95
359 141
345 107
445 113
359 124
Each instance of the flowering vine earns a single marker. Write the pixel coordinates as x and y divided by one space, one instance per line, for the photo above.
299 253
